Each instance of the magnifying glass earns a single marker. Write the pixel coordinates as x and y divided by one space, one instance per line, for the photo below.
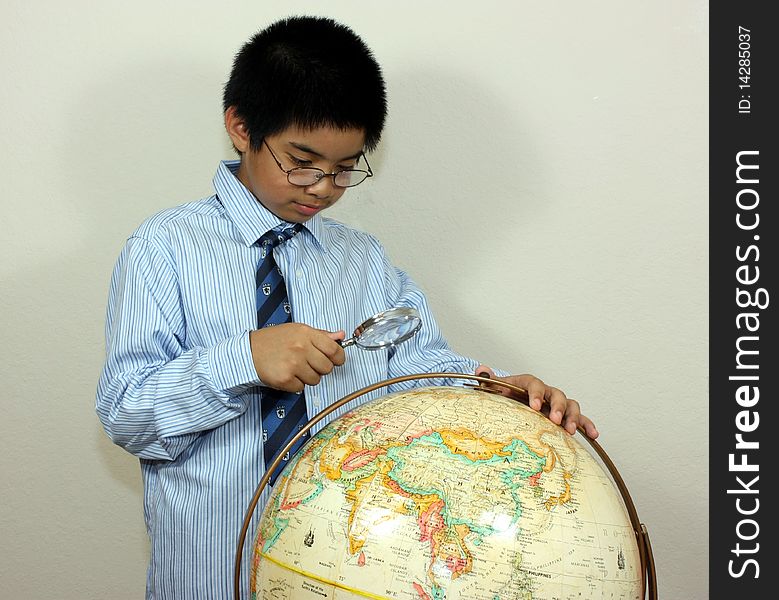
386 329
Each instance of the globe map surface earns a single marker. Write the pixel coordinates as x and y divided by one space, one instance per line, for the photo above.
445 493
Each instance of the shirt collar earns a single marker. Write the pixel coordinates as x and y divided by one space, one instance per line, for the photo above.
249 216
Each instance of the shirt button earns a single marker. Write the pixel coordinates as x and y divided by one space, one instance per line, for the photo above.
299 273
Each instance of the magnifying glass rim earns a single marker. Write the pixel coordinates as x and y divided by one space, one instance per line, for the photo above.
407 313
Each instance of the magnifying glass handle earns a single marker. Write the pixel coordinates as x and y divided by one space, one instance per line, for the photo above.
345 343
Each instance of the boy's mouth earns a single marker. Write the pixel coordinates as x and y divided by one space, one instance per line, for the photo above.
308 209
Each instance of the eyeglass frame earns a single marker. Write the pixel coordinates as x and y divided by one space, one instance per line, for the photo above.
368 173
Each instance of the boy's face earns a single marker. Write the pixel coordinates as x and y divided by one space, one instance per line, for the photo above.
326 148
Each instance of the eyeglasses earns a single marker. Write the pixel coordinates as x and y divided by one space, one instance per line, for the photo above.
306 176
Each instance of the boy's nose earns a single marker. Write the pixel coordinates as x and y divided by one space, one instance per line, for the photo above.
323 188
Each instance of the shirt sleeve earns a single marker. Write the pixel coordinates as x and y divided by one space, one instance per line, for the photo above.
428 351
155 395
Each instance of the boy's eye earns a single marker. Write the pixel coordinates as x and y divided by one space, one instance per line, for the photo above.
300 162
303 162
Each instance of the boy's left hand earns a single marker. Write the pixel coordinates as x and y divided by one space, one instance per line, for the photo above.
547 399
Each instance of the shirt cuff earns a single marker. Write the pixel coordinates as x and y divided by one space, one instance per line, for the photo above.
231 365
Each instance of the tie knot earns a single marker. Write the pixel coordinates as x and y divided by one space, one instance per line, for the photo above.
279 234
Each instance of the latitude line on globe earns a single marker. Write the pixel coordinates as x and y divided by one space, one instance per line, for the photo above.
346 588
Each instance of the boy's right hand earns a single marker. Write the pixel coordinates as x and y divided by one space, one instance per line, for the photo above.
293 354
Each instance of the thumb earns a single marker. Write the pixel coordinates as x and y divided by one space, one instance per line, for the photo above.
339 335
484 371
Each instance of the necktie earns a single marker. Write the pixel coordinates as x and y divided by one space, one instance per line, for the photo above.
283 413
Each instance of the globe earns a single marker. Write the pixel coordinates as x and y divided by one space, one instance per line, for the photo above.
445 493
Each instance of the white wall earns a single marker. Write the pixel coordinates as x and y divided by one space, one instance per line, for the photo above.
543 176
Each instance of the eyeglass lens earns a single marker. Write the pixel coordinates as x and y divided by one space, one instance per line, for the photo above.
308 176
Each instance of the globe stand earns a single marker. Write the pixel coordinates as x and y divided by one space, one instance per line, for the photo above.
649 575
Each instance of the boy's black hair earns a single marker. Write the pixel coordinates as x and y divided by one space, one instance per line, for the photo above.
308 72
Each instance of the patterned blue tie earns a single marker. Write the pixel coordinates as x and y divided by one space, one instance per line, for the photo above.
283 413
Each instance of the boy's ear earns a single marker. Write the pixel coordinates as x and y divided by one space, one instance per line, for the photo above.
237 130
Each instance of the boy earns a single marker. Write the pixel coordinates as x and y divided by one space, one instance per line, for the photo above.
194 371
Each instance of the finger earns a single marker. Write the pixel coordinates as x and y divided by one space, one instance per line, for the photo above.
488 373
319 361
327 344
337 336
589 427
293 384
484 371
558 404
308 375
300 387
537 392
572 416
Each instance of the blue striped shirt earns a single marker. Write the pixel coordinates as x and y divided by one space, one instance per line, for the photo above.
179 389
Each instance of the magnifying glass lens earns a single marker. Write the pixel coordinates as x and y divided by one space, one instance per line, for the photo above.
386 333
387 328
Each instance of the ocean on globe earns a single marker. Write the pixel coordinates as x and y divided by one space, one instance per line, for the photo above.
445 493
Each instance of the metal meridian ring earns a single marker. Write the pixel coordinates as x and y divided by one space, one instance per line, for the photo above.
648 573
